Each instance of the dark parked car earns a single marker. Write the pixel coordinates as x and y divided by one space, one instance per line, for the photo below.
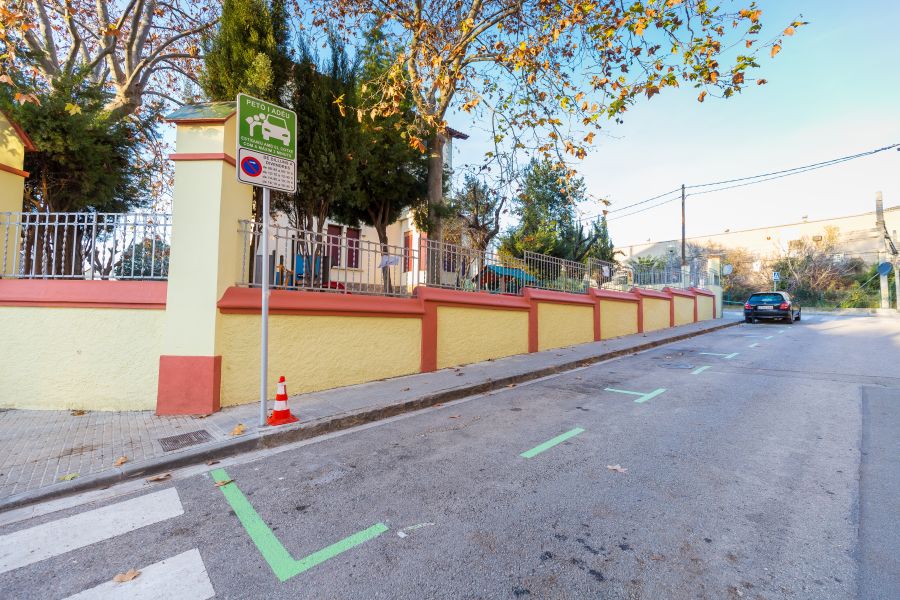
771 305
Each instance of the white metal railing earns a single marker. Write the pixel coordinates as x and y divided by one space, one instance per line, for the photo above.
309 260
85 245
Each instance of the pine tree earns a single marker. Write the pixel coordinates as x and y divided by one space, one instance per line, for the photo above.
248 52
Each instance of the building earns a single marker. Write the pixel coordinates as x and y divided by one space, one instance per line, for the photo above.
857 236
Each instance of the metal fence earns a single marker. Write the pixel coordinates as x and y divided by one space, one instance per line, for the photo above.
310 260
85 245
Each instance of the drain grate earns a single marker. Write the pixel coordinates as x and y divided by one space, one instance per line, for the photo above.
183 440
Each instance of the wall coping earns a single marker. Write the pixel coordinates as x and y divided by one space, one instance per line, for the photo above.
80 293
474 299
615 295
703 292
651 293
557 297
243 300
679 292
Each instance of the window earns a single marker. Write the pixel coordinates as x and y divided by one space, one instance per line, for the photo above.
334 244
407 252
352 248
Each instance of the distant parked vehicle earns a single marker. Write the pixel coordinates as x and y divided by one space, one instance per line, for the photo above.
771 305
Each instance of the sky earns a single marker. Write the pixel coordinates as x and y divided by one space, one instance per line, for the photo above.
834 90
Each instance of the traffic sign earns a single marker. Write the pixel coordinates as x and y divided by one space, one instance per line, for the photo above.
266 144
776 276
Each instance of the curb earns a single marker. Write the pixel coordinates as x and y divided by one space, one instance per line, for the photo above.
273 438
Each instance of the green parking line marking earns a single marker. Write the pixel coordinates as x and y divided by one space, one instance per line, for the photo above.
643 396
550 443
781 331
769 337
725 356
280 561
754 345
732 355
700 370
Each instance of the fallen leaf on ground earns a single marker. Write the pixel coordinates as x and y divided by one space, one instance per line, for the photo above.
238 429
454 416
126 576
120 461
160 477
657 557
617 468
68 477
212 462
223 483
201 416
460 373
405 390
77 413
511 385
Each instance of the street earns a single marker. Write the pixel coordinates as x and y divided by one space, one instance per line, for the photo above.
758 461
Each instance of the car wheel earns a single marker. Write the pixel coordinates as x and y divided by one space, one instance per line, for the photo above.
748 320
798 314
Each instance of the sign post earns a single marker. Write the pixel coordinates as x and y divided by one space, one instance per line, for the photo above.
266 157
776 277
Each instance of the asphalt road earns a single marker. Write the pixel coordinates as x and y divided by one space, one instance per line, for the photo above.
770 474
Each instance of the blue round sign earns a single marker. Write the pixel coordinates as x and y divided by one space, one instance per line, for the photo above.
251 166
884 268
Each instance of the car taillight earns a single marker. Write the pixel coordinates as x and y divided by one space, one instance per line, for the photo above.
784 306
747 306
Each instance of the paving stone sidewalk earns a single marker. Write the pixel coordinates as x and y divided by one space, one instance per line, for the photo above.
40 449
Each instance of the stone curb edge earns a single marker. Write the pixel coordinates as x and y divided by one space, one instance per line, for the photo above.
310 429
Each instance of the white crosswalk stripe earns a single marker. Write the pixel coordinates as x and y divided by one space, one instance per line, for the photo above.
182 577
28 546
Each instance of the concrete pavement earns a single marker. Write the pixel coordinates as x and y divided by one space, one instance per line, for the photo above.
745 479
45 454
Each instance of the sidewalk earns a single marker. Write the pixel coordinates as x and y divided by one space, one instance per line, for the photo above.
40 448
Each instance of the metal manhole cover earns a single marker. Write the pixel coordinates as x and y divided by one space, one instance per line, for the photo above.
183 440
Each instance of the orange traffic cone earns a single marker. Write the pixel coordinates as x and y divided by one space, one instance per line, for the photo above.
281 414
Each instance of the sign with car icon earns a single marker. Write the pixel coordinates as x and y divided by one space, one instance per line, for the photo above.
266 144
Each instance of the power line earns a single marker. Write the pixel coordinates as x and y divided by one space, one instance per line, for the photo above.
749 180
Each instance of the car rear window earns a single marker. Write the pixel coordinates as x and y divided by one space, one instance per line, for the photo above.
766 299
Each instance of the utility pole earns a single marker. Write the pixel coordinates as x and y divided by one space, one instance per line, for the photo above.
882 233
683 244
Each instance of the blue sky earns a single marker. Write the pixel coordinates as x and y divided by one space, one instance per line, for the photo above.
834 90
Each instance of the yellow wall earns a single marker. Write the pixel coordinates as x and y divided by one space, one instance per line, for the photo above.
564 325
315 352
84 358
656 314
617 318
684 310
468 335
704 308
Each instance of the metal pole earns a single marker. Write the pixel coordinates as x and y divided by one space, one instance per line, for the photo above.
264 344
683 243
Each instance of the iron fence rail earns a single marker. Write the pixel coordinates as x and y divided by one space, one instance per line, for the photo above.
311 260
85 245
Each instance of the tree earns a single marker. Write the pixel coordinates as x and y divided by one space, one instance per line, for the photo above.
815 271
248 52
135 48
545 73
479 208
545 207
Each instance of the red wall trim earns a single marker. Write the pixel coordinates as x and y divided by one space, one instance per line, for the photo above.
678 292
241 300
13 170
189 385
208 121
557 297
651 293
533 327
203 156
615 295
597 332
79 293
475 299
429 338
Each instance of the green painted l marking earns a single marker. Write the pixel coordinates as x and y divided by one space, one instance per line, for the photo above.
700 370
754 345
769 337
550 443
280 561
643 397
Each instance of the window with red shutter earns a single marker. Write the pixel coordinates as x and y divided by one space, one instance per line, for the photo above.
353 248
423 251
334 244
407 252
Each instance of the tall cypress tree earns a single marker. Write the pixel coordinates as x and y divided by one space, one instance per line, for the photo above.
248 52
